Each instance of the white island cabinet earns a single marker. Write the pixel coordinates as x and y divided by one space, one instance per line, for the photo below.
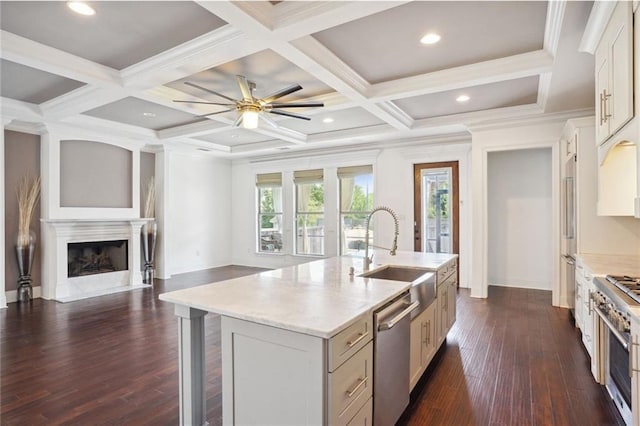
297 342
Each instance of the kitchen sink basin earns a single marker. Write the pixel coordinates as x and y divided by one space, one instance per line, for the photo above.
396 273
423 283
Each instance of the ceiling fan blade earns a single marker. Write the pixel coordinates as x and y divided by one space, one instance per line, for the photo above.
296 104
284 92
217 112
201 102
244 87
188 83
289 114
238 121
269 121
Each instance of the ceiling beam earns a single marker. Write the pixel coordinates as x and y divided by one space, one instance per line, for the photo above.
493 71
39 56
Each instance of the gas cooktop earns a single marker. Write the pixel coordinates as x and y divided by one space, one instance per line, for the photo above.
629 285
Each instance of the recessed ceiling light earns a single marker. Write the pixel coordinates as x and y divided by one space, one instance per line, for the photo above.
81 7
462 98
148 114
328 120
431 38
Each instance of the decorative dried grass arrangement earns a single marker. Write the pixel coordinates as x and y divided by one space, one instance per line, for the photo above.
150 201
28 192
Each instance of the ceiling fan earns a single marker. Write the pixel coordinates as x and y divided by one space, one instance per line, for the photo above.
250 108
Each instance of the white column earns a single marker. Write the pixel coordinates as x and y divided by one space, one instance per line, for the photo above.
3 297
162 163
191 366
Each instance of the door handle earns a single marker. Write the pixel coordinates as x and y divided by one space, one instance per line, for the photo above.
393 321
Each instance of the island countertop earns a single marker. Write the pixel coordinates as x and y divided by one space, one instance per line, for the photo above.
318 298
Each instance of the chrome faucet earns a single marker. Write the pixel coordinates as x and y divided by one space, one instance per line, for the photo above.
394 247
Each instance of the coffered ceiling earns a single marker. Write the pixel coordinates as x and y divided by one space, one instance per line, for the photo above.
121 69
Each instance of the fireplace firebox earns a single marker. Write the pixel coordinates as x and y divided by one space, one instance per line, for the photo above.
97 257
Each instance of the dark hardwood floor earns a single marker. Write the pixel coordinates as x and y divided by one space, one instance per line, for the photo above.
509 360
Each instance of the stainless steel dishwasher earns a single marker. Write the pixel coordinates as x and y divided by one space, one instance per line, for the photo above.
391 360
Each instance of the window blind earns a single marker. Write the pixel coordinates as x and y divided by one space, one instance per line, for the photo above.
268 180
346 172
308 176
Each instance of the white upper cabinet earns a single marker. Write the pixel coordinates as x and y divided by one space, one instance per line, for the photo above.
614 73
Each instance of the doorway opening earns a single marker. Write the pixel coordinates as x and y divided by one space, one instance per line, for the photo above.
436 212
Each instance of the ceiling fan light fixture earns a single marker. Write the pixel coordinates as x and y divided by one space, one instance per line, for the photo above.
81 8
250 119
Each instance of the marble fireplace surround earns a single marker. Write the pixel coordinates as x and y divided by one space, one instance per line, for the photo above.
58 233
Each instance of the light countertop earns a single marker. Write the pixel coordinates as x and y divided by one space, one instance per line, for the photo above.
608 264
319 298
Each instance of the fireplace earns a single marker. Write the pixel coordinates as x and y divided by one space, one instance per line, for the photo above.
90 257
97 257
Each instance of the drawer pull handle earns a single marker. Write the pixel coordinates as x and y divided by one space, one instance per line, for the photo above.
361 382
360 337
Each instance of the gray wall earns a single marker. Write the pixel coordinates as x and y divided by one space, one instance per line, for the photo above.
94 174
147 170
22 158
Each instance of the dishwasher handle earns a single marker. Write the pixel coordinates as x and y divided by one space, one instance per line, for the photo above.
393 321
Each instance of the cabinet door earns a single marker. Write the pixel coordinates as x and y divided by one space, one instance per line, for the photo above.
587 315
578 305
451 304
417 339
620 31
442 318
602 86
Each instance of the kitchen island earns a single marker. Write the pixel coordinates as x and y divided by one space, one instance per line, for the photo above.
300 336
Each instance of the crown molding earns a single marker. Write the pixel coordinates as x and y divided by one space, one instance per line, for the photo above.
548 118
80 100
598 20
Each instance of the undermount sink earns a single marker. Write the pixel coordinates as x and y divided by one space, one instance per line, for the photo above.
396 273
423 282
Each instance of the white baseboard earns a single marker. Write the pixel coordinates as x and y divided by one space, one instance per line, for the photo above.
12 295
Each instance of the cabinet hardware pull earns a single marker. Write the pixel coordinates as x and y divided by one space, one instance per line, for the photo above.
360 337
602 118
425 325
361 382
428 332
606 97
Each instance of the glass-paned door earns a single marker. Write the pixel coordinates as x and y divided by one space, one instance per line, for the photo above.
436 207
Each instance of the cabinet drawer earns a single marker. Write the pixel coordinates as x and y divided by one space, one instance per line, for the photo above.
350 386
364 417
446 271
346 343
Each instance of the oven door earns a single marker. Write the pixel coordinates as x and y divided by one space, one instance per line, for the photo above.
618 379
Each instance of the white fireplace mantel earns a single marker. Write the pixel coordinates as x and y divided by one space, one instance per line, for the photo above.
58 233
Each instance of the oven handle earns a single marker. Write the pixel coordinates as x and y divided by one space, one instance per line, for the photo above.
612 328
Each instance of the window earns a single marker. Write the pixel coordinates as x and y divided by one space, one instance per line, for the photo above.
309 212
356 202
269 212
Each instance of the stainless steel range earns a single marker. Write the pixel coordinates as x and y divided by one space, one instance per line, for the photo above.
612 300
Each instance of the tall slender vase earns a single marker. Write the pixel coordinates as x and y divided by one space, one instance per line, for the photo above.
148 234
25 252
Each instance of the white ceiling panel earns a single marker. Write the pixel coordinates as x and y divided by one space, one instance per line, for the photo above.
31 85
121 33
363 59
520 91
386 46
141 113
